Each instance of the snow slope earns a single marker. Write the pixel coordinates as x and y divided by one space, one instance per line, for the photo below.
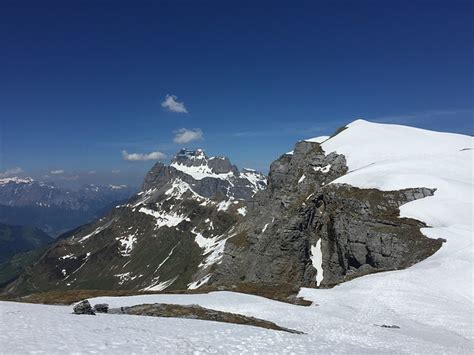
393 157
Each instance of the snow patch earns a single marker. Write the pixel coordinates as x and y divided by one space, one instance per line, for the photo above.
97 231
323 169
163 218
179 188
224 205
126 244
162 285
317 261
213 248
242 211
196 284
200 172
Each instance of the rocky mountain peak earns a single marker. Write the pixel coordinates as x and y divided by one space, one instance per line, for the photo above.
187 156
208 177
197 164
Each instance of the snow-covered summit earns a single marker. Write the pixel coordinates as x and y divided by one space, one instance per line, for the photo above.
364 143
394 157
16 180
198 165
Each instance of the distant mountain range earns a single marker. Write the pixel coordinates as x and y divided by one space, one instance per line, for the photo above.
53 209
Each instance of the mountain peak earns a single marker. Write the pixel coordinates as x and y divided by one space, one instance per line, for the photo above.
197 164
190 154
16 180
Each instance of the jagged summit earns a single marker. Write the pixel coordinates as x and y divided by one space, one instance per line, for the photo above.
209 176
197 164
187 154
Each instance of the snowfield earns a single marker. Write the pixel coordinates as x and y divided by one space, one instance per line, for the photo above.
431 302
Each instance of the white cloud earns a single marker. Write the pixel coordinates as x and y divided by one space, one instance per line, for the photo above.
115 171
142 156
91 172
10 172
185 135
172 105
57 172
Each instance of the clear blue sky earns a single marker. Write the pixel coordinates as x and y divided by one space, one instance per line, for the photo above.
81 81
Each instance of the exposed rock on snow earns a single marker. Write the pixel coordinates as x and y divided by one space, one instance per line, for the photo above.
198 312
83 307
101 308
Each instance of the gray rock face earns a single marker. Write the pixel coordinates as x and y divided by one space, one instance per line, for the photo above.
210 177
359 231
83 307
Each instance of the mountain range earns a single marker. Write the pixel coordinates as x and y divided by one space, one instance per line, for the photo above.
54 209
333 209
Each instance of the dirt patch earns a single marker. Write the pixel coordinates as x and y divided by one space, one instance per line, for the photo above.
198 312
279 292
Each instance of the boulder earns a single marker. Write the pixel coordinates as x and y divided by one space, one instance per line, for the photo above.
83 307
101 308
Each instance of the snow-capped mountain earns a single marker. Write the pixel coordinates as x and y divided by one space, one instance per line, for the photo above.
25 201
163 237
335 208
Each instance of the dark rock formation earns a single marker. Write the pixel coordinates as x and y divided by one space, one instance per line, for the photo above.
83 307
101 308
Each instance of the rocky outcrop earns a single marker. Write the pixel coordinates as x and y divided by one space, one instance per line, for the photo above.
198 312
305 230
83 307
101 308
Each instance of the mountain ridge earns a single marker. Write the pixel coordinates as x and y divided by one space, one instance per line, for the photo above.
54 209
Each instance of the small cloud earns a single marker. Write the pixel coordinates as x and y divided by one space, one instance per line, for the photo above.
172 105
57 172
116 171
10 172
185 135
142 156
91 172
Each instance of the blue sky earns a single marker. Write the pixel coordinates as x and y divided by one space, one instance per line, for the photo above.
80 82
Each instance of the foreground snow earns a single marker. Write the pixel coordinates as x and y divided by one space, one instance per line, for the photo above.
431 302
343 322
